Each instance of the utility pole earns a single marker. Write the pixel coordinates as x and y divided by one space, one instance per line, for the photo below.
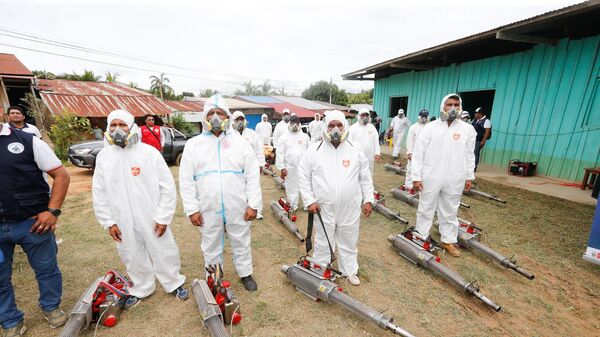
330 88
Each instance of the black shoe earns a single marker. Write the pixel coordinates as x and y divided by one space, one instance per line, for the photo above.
249 283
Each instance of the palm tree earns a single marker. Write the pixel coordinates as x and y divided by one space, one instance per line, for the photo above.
265 89
207 93
89 76
111 77
158 85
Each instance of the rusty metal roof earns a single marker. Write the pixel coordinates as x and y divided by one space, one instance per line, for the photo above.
97 99
10 65
185 106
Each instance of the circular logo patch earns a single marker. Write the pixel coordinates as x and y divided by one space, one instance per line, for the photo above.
15 147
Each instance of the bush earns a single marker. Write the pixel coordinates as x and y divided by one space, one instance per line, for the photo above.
182 125
66 130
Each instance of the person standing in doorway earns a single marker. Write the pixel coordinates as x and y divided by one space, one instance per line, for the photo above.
483 127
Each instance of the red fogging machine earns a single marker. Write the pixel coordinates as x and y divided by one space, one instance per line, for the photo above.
101 303
224 296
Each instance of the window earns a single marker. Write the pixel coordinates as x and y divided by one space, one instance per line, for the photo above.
396 103
474 99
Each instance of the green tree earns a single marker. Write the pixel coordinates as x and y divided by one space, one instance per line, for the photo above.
88 76
181 124
133 85
159 86
281 91
363 97
321 90
266 89
207 93
111 77
43 75
249 89
68 129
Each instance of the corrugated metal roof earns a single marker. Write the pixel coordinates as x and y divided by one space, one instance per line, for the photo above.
231 102
259 99
10 65
357 107
185 106
299 111
91 99
303 102
334 106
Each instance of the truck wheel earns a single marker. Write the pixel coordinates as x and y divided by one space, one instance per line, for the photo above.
178 159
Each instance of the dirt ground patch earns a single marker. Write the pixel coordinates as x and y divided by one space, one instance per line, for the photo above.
546 234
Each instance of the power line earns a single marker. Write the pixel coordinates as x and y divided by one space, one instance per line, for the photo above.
69 45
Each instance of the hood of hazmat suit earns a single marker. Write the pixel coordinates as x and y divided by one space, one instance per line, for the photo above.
215 102
119 136
133 188
452 113
339 180
336 135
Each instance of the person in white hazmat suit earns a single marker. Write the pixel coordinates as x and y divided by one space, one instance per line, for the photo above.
281 128
443 165
134 197
364 134
399 125
219 182
240 126
413 133
316 128
335 180
292 147
264 130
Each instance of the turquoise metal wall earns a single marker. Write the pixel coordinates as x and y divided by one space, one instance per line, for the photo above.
546 107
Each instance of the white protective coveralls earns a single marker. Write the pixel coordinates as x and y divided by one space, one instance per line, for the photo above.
411 138
292 147
316 129
134 189
443 159
280 129
264 130
365 136
399 124
339 181
253 139
219 177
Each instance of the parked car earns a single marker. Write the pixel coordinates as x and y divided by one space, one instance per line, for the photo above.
84 154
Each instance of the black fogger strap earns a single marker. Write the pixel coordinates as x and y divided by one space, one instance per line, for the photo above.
309 229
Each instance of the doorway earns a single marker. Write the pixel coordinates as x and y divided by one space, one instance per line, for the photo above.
472 100
396 103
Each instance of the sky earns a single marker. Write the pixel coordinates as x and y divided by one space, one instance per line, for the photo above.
222 44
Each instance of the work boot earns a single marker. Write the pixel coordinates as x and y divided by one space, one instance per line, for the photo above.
249 283
451 249
353 280
132 301
181 293
55 318
16 331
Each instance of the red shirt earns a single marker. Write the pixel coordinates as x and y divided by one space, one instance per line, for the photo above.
151 136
